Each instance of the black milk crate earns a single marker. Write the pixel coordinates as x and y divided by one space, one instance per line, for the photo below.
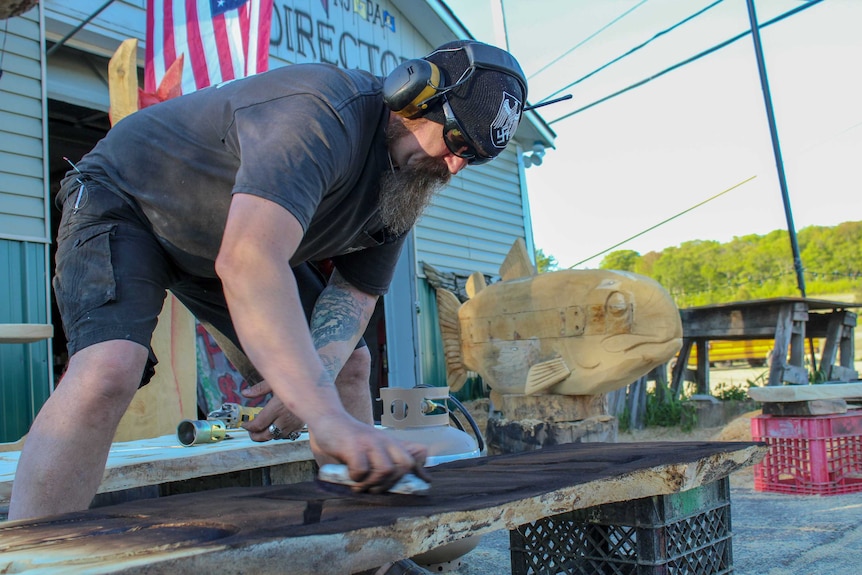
684 533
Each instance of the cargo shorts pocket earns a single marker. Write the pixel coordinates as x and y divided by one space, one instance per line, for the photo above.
84 277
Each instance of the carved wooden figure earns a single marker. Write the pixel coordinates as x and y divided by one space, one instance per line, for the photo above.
571 332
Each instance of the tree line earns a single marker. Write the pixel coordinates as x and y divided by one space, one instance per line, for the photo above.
701 272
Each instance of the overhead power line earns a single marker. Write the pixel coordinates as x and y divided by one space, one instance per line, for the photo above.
636 48
663 222
585 40
715 48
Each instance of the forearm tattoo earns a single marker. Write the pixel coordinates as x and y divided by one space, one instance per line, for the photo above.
338 317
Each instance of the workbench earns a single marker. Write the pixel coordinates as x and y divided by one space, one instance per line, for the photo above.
163 464
787 320
309 529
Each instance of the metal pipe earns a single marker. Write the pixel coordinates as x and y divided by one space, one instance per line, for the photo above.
776 146
779 162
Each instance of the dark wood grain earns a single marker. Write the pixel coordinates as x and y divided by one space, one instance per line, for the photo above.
306 528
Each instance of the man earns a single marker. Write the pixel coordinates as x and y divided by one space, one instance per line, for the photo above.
221 196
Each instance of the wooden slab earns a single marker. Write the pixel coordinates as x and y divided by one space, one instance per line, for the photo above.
305 529
163 459
806 392
803 408
25 332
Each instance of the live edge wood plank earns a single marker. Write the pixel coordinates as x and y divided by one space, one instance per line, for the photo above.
806 392
306 529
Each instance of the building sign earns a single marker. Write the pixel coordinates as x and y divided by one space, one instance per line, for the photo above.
346 33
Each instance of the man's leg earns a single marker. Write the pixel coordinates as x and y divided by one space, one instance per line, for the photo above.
63 460
110 282
353 383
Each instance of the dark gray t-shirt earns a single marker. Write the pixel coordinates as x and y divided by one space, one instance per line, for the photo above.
309 137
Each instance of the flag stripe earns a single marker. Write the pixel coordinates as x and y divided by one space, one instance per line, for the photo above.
220 43
194 42
258 45
149 52
223 48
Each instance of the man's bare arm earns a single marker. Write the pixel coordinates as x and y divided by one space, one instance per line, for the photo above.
260 289
340 316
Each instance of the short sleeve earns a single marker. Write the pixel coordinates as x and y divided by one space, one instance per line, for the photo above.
371 270
292 150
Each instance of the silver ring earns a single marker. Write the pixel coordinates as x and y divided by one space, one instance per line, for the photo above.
274 431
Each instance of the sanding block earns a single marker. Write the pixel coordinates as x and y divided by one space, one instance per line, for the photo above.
339 474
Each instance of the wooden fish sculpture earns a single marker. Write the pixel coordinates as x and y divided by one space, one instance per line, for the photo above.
569 332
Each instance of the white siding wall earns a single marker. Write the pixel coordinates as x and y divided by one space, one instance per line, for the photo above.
472 223
22 190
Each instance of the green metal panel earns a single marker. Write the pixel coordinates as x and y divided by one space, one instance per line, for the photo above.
433 358
24 369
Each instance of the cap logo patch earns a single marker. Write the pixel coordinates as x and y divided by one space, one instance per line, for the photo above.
506 122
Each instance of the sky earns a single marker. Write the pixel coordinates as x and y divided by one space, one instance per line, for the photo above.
628 164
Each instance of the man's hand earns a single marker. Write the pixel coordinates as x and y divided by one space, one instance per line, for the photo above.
376 459
273 412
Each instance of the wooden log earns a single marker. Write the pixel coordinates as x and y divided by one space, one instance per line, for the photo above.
309 530
803 408
505 436
806 392
552 408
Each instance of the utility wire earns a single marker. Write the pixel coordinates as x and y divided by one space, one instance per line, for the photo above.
805 6
584 41
663 222
636 48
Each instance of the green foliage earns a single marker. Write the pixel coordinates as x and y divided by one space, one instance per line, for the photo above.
625 260
759 381
703 272
818 376
545 263
669 413
731 392
624 420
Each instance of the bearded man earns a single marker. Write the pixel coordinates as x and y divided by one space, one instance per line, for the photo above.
224 196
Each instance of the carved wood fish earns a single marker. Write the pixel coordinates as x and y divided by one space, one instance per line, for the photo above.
570 332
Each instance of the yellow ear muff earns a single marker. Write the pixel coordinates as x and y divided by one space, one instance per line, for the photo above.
408 89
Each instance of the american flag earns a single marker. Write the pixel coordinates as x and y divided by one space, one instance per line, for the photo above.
221 40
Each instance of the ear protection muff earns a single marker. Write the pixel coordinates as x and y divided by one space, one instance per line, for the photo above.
409 88
414 85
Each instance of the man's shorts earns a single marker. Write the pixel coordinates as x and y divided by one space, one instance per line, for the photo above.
112 275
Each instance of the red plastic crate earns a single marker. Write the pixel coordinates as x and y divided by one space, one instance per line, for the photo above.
817 455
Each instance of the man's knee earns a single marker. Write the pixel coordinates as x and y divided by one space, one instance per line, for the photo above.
357 369
110 370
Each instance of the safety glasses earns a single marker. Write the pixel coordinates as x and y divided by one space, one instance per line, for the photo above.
457 140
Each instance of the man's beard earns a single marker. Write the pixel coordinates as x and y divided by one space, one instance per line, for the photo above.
407 191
